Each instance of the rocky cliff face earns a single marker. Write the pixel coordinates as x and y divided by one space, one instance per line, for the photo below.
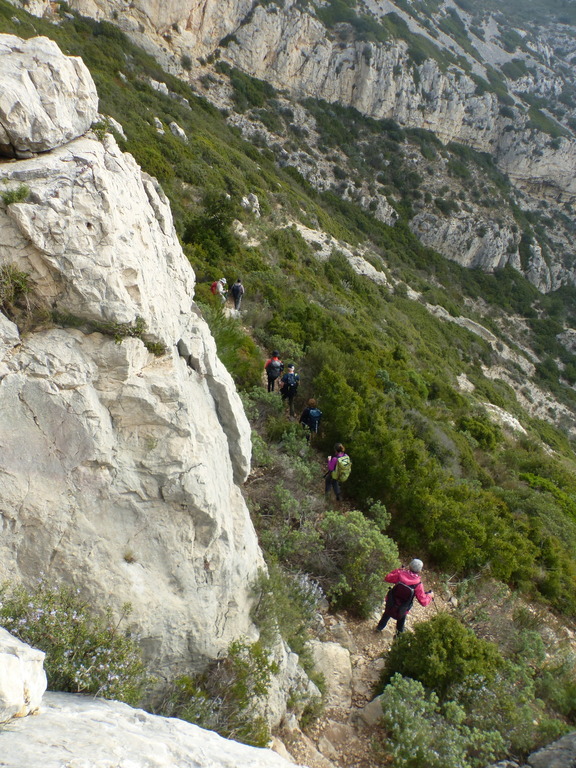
289 46
120 468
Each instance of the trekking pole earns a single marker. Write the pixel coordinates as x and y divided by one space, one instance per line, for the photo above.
435 606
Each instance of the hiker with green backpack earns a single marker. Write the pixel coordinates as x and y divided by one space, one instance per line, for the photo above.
407 586
339 468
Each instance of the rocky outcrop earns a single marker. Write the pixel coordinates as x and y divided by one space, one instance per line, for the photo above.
290 47
541 165
469 241
79 730
46 98
22 678
559 754
124 440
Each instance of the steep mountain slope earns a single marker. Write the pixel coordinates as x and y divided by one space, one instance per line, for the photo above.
419 345
452 389
481 76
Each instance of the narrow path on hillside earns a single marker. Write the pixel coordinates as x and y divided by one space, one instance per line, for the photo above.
347 735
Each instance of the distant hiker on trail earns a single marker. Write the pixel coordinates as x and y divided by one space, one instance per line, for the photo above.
407 586
289 387
237 292
310 418
273 367
218 288
339 468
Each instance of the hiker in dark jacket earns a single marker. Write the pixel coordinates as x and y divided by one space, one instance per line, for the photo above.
273 367
310 418
398 601
289 387
333 475
237 292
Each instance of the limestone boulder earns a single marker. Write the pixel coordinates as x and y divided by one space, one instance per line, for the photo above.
76 730
22 677
46 99
333 661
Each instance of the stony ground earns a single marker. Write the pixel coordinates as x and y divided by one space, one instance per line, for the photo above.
347 735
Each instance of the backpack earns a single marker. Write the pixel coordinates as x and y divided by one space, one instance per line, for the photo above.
314 415
274 369
400 598
291 382
343 468
214 287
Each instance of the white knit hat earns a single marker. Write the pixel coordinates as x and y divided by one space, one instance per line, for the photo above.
416 565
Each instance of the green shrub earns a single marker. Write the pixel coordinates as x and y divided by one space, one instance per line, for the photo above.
509 705
14 285
118 331
423 732
354 561
287 603
228 697
235 348
85 653
442 653
18 195
486 434
259 404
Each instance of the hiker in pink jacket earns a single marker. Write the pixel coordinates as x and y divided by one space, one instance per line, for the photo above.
400 598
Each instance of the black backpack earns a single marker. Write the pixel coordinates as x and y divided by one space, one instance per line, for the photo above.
274 369
291 382
400 598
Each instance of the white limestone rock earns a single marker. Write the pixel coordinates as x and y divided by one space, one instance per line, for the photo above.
22 677
503 418
251 203
291 677
46 98
371 713
333 661
469 240
178 131
82 732
120 470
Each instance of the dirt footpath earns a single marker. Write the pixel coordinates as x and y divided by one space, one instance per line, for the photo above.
341 737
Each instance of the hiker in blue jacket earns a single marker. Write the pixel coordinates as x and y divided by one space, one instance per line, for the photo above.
289 386
310 418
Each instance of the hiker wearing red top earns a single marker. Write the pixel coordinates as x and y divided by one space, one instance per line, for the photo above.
273 367
400 598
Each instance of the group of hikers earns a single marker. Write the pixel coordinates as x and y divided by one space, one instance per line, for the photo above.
218 288
340 464
407 581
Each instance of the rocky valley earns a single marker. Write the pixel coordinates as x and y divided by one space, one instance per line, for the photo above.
394 182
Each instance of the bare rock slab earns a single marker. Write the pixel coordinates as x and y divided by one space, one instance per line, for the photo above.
82 732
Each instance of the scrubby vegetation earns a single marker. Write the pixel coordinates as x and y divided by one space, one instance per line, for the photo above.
226 696
14 286
85 653
453 698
